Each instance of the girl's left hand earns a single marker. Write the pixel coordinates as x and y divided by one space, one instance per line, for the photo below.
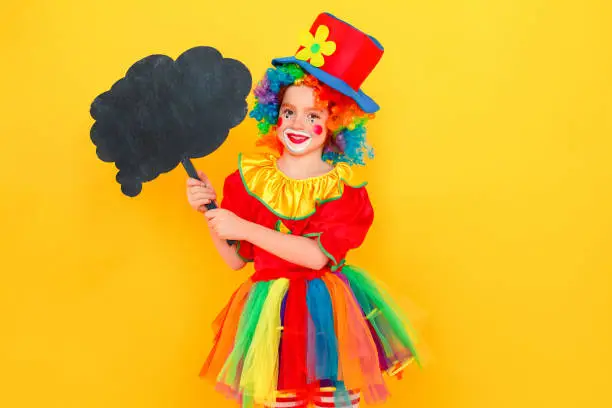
226 224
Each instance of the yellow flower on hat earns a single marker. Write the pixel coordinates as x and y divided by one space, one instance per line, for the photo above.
315 47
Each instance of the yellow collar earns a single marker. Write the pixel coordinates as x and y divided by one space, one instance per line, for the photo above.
286 197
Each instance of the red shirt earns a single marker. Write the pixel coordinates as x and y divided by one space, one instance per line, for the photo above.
339 224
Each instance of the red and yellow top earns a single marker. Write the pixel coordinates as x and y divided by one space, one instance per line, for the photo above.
327 208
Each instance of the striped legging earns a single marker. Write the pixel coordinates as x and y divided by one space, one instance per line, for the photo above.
320 399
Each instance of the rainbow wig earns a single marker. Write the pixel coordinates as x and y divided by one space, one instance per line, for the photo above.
346 124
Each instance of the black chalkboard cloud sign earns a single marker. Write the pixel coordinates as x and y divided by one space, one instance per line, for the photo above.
165 112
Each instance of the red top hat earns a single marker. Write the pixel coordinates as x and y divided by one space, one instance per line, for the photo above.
340 56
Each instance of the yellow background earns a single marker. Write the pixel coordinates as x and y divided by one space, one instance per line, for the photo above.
492 187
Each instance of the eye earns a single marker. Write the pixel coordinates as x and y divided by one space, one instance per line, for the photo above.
287 113
313 117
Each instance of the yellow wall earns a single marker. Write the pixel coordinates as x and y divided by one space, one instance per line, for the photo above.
493 168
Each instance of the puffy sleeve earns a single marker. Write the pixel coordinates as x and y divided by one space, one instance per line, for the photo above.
235 199
343 224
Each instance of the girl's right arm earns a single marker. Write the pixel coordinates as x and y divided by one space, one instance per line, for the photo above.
199 193
228 253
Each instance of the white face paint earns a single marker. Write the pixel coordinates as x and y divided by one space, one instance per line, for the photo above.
296 140
301 124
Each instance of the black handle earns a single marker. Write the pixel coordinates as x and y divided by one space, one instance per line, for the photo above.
191 171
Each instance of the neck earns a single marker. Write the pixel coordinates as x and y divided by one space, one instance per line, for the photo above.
301 167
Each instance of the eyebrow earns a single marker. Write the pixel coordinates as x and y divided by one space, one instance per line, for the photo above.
311 109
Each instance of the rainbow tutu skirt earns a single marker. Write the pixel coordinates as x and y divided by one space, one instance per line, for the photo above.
337 330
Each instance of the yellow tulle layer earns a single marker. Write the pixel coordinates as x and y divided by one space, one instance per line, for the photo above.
260 369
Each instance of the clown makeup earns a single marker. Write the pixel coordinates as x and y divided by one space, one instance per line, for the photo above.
301 125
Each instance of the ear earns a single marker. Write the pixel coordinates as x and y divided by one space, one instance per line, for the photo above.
329 144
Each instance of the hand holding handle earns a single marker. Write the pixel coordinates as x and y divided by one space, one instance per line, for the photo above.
191 171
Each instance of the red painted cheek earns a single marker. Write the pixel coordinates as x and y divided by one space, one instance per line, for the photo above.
318 129
280 122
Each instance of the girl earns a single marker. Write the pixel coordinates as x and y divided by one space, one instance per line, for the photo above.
305 327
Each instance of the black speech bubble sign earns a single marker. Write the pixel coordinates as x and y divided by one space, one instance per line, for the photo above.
166 112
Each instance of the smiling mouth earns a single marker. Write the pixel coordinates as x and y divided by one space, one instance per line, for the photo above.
297 137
